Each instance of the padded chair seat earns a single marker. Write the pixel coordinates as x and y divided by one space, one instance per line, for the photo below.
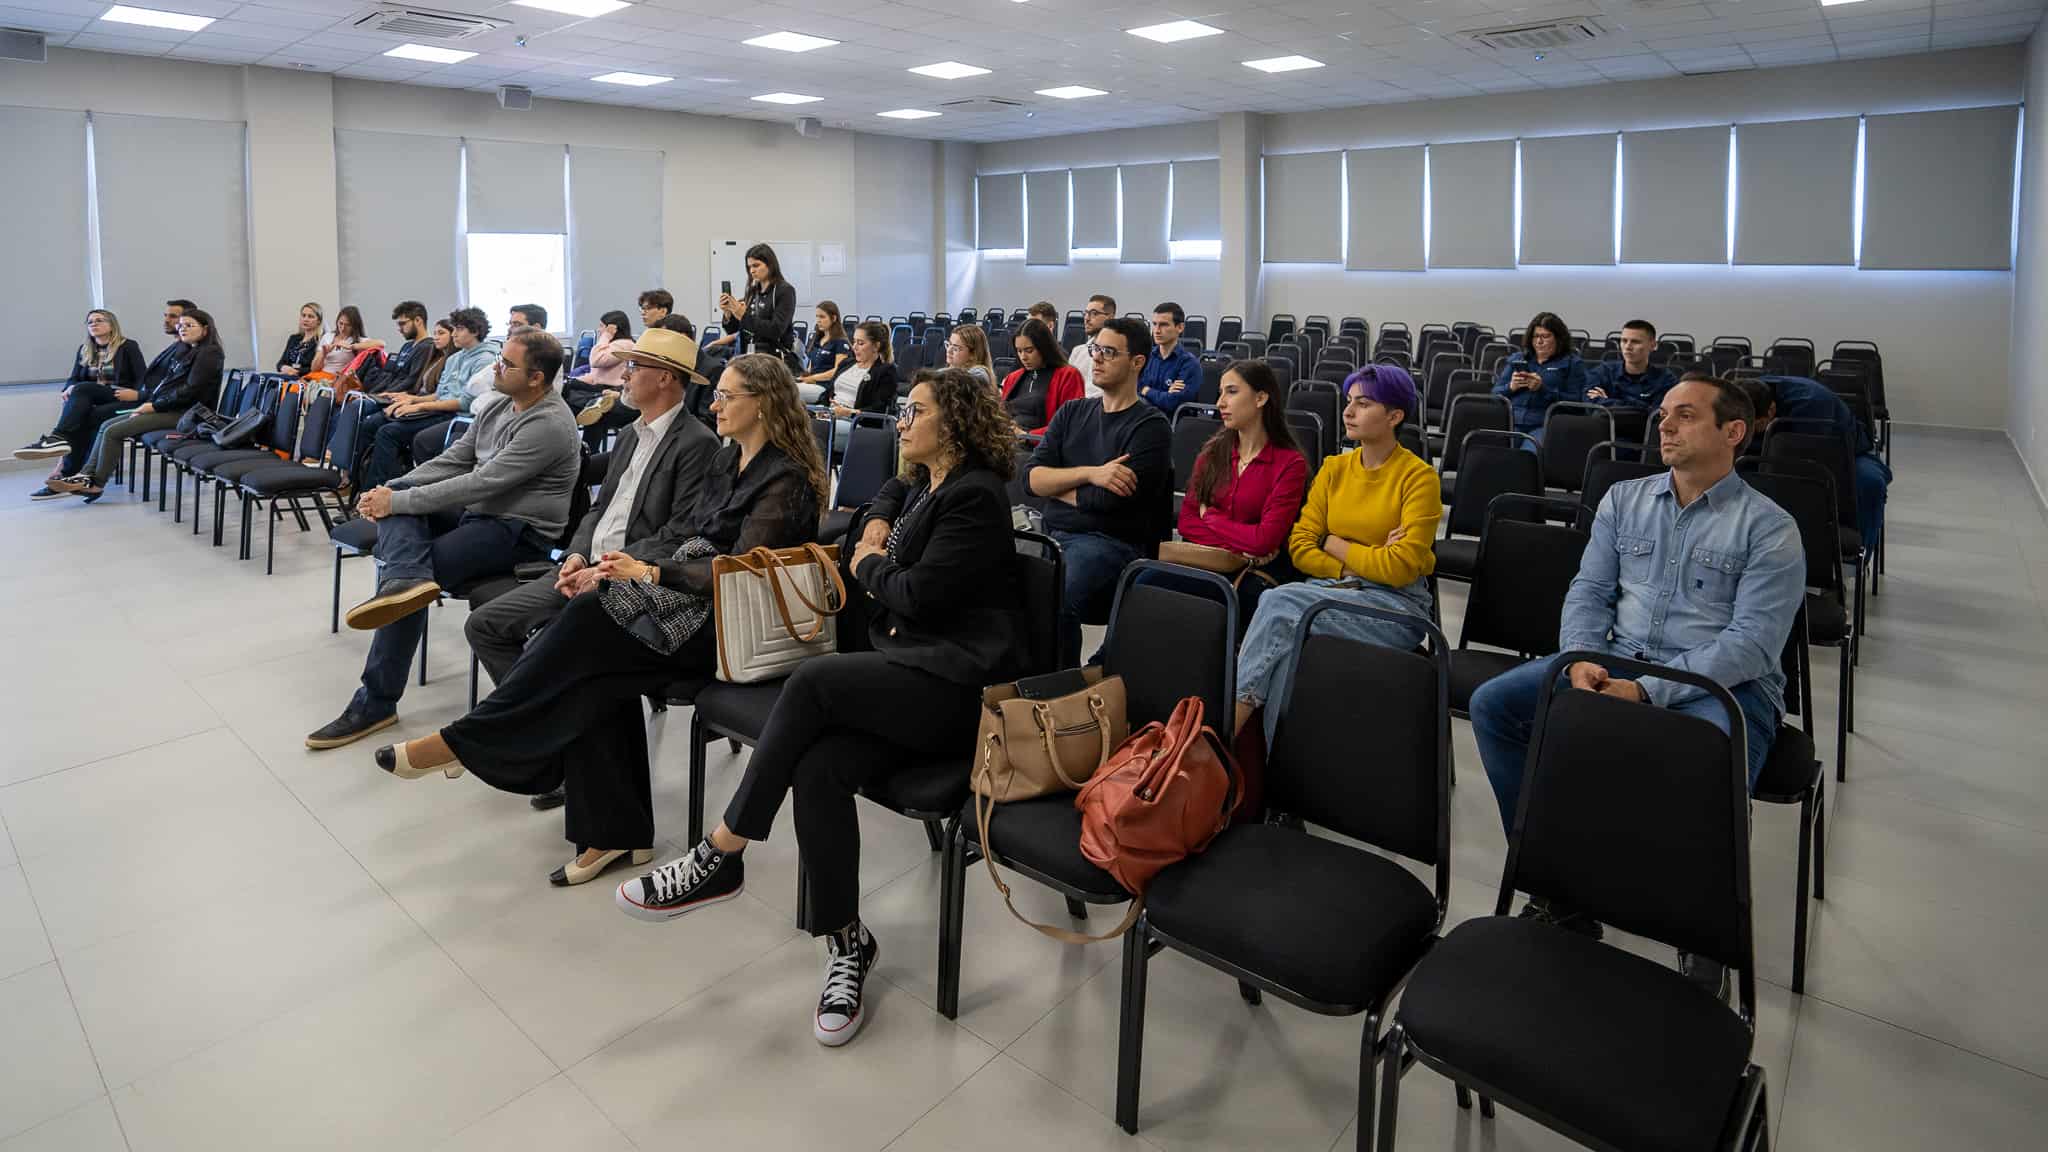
1446 486
1621 1047
739 708
936 786
206 463
190 448
357 535
1471 667
155 440
685 691
832 528
286 479
1044 835
1335 924
1852 543
1457 557
1789 770
1827 618
234 470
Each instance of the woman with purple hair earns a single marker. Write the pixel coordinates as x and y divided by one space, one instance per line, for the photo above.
1366 535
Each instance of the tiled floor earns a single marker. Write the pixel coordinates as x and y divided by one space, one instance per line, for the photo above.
212 939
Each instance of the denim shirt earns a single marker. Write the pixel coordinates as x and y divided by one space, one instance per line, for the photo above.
1711 588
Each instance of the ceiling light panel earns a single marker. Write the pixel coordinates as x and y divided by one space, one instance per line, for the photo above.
632 79
588 9
787 98
908 114
789 42
153 18
1283 64
948 70
1175 31
428 54
1071 92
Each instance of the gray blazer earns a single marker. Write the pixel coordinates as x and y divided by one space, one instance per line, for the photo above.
668 490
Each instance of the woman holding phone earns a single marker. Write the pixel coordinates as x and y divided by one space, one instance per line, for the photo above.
761 318
1544 372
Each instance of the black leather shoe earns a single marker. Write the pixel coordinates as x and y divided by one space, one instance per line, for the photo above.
348 728
550 800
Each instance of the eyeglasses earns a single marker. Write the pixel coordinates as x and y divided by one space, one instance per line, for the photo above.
956 346
726 396
1104 351
1098 312
908 411
505 365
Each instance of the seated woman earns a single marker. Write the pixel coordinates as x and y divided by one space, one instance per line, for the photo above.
297 358
967 347
828 352
105 380
1249 478
1035 391
1544 372
1365 535
597 394
866 383
934 573
171 385
568 714
342 348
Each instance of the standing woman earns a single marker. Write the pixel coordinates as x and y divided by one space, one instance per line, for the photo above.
967 347
1035 391
297 358
934 574
1249 479
1544 372
343 347
827 354
761 318
191 374
103 381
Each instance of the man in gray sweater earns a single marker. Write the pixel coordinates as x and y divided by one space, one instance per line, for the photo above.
496 498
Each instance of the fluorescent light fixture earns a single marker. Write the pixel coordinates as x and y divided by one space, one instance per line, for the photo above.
787 98
151 18
632 79
1175 31
948 70
1832 3
1283 64
789 42
583 8
429 54
1070 92
908 114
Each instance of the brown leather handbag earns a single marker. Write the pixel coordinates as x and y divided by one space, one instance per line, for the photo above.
1163 796
1208 558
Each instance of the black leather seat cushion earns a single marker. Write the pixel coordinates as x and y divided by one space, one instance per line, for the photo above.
740 709
1789 770
359 534
1471 667
1044 835
286 479
1337 924
1616 1045
1827 618
233 471
1457 557
685 691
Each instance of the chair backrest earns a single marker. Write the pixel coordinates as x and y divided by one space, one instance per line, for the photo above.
1806 492
824 431
1439 380
1724 356
1193 424
1669 862
1398 357
1865 353
585 341
1234 350
1334 371
1284 372
1228 328
281 434
1019 491
1469 413
1409 435
1829 452
314 426
1490 464
1254 344
345 434
1570 430
870 461
1196 332
1321 398
1279 327
967 315
1524 569
1041 579
1310 436
1789 356
1603 471
1168 645
1397 795
1213 368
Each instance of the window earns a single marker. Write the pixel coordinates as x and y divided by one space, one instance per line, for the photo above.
507 268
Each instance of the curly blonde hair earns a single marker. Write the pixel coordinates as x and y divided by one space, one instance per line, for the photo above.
974 424
789 425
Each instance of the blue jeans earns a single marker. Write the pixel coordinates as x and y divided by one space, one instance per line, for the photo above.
1504 718
1094 562
451 550
390 441
1873 478
1265 662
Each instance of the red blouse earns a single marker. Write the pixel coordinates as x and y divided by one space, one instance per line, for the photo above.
1253 510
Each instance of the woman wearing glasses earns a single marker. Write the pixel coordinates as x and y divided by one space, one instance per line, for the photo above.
104 380
632 628
934 575
967 347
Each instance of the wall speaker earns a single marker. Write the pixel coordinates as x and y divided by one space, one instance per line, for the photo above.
16 44
513 98
810 127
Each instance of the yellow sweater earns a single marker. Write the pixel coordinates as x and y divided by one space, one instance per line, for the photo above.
1361 505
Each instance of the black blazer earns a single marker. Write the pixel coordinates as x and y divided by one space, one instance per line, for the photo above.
127 367
187 378
765 327
666 493
298 353
947 602
878 392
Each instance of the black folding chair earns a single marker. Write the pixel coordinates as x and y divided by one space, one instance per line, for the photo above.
1570 430
1806 492
1525 567
1604 469
1491 463
1193 424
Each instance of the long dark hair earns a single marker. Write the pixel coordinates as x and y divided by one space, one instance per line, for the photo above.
205 321
1213 465
622 328
836 332
350 314
1035 333
1549 322
765 255
978 427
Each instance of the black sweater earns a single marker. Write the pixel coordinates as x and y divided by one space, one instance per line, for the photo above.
1083 435
127 367
766 325
190 375
946 601
770 504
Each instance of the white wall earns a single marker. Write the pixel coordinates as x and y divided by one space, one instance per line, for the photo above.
2027 413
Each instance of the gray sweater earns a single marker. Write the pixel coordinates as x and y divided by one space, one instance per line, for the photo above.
509 463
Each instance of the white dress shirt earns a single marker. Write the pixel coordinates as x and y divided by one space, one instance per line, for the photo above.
1085 365
610 535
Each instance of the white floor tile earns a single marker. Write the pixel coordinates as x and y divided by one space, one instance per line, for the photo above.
46 1069
1007 1107
554 1117
91 1128
22 942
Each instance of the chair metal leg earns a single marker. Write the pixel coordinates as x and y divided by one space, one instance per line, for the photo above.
298 512
472 681
1762 1124
1485 1106
1130 1048
143 468
198 499
1250 994
1799 888
952 908
1391 1062
163 478
1076 909
803 894
334 614
698 742
1463 1095
1367 1089
1849 689
1820 838
423 650
934 835
270 547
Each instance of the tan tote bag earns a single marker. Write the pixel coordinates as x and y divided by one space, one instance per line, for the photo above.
775 609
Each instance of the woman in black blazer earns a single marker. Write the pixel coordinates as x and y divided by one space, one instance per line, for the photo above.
169 386
762 317
934 603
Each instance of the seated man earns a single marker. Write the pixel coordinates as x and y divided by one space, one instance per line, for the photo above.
1173 373
1632 386
1104 470
496 498
1815 405
399 375
390 433
1691 569
650 485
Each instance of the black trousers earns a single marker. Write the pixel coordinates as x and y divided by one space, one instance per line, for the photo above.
568 713
841 721
90 405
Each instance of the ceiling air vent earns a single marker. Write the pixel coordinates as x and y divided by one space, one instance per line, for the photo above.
1536 37
426 23
989 103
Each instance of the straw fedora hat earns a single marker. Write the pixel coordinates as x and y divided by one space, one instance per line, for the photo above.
661 348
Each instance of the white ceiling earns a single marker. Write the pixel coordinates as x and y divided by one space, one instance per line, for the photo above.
1376 51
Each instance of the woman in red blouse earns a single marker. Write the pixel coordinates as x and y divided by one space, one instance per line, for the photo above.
1250 479
1046 381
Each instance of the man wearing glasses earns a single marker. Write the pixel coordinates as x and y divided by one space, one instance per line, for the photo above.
1103 468
1100 310
498 497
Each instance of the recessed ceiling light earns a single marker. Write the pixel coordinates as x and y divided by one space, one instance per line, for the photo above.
583 8
1071 92
787 98
908 114
1174 31
789 42
948 70
632 79
1283 64
429 54
151 18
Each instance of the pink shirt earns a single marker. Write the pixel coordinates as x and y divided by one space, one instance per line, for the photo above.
606 368
1253 510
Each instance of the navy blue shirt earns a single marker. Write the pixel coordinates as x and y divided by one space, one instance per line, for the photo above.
1802 399
1163 368
824 357
1624 390
1563 378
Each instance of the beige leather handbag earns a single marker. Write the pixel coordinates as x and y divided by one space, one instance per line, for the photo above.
775 609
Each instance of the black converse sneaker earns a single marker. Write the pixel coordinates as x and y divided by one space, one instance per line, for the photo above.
701 876
850 954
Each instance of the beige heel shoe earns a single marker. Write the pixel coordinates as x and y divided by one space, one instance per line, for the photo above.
391 758
569 875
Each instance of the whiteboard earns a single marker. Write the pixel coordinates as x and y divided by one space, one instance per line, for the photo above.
729 262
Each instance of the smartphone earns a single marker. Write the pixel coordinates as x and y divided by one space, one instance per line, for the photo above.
725 287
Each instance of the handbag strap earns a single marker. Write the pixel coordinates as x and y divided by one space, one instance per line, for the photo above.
770 563
1041 713
984 811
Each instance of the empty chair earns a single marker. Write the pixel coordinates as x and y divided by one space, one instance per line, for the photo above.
1196 332
1865 353
1228 328
1398 357
1472 406
1438 381
1193 424
1570 430
1520 576
1254 343
1279 327
1605 469
1806 491
1491 463
1789 356
967 316
1310 435
1213 367
1322 398
1235 350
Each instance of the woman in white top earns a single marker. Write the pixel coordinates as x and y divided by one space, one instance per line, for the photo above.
868 381
343 346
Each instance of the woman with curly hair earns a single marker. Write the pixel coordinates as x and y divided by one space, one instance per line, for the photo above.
933 618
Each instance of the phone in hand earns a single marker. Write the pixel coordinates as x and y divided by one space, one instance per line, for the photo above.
725 287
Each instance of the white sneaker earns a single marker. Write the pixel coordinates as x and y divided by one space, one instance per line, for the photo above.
849 957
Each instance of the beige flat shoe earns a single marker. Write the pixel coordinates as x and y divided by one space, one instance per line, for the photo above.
391 758
569 875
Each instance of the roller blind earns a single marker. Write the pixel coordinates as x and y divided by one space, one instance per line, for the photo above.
1568 200
1094 192
1674 196
1197 200
1047 207
515 187
615 230
173 222
1472 205
1937 189
396 197
999 205
1302 218
1386 208
1795 192
43 232
1145 214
